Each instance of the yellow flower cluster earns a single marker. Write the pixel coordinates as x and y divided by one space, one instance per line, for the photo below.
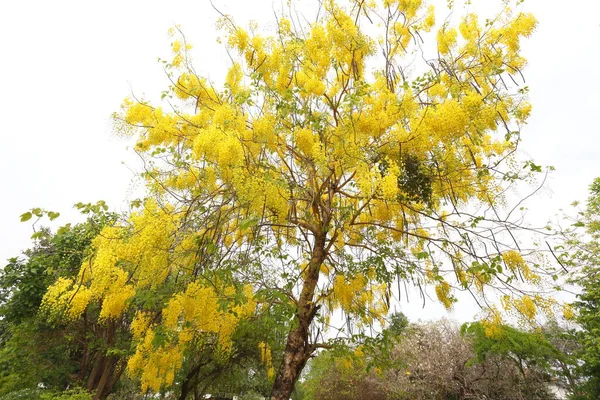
446 39
492 324
360 296
305 140
526 307
64 298
121 264
515 262
344 292
442 291
568 312
266 358
159 368
188 315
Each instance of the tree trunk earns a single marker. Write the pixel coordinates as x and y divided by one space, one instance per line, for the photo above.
119 368
298 350
98 366
190 382
101 389
186 389
100 378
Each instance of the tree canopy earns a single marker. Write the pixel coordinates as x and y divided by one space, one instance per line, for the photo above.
580 252
365 149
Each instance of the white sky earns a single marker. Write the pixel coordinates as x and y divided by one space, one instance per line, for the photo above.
65 66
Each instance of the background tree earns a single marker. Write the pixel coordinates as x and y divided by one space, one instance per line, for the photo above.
580 252
434 361
325 171
531 353
77 344
35 351
141 285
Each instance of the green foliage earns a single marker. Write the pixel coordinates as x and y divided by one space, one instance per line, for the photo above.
434 361
585 256
328 378
524 348
41 394
398 324
242 373
33 351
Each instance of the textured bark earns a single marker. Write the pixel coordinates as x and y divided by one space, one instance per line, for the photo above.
102 377
92 378
102 389
190 383
186 389
87 352
116 375
298 350
84 364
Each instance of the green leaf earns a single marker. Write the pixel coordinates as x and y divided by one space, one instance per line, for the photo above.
38 235
248 223
26 216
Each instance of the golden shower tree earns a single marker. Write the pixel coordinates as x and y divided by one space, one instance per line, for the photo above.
340 158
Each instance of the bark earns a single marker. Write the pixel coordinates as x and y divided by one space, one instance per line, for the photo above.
85 360
102 389
186 389
84 364
119 369
190 383
101 379
92 379
298 349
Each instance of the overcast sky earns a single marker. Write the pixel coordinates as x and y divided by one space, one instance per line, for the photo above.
65 66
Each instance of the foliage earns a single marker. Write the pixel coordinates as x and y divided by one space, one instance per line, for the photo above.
33 351
581 252
342 375
42 394
57 348
566 367
320 173
142 277
524 348
330 166
246 371
430 361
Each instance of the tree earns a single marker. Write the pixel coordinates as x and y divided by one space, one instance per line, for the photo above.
566 367
581 253
135 289
33 350
324 171
531 353
430 361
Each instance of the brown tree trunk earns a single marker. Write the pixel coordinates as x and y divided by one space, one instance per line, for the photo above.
186 388
190 382
101 389
100 377
96 370
119 368
84 364
298 350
